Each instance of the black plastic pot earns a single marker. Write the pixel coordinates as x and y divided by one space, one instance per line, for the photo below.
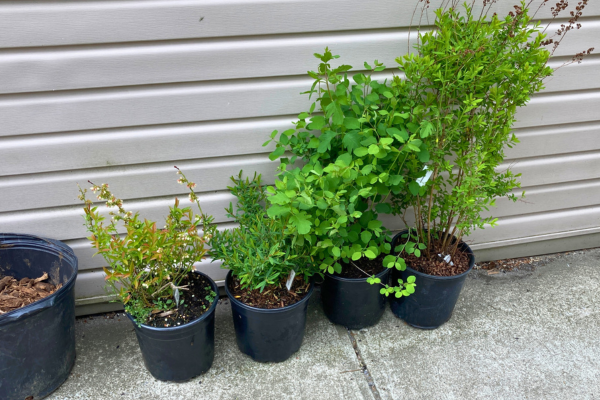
179 353
435 296
268 335
353 303
37 342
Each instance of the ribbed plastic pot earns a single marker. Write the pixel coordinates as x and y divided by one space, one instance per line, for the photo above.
353 303
268 335
179 353
37 342
434 299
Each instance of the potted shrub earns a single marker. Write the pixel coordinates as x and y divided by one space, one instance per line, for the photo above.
268 284
151 270
354 152
464 82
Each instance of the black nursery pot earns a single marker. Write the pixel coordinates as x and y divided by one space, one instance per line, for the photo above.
435 296
37 342
353 303
182 352
268 335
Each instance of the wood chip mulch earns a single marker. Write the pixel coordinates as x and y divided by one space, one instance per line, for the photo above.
15 293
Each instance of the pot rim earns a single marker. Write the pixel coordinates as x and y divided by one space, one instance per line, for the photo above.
26 241
265 310
442 278
339 278
206 314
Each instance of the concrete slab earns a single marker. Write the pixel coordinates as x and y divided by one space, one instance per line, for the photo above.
530 334
109 366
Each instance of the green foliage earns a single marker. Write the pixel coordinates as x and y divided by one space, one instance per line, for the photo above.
464 84
353 149
260 251
147 264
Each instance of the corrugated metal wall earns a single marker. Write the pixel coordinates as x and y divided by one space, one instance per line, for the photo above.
120 91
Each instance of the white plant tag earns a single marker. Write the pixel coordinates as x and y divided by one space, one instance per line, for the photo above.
448 259
423 180
290 280
176 296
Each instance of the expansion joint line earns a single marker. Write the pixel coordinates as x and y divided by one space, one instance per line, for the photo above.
363 365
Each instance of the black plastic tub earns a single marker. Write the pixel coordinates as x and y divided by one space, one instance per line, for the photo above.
353 303
179 353
432 303
268 335
37 342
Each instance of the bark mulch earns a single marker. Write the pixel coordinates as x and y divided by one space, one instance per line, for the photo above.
15 294
435 265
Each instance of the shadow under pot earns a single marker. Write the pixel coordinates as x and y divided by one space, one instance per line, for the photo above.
432 303
268 335
183 352
353 303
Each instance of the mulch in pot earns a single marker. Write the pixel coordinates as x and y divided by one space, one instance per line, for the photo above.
196 301
435 265
15 294
273 296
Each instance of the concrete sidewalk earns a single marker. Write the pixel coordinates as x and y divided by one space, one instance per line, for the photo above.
533 333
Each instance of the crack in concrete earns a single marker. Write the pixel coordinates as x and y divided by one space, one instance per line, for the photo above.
363 365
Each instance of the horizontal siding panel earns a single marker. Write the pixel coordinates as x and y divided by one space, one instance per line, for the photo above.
57 189
66 223
102 66
139 145
551 197
539 224
557 169
60 189
51 23
106 108
558 139
563 108
125 65
128 146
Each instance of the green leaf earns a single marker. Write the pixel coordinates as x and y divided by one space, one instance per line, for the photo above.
374 224
370 254
383 208
344 160
276 153
277 210
365 236
336 251
373 149
361 151
411 279
317 123
357 255
414 188
351 140
301 223
351 123
423 155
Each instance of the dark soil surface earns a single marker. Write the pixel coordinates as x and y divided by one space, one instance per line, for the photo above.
196 301
15 294
435 265
273 296
368 267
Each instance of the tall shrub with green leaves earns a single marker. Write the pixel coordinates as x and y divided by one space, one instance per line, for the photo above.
355 143
466 81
